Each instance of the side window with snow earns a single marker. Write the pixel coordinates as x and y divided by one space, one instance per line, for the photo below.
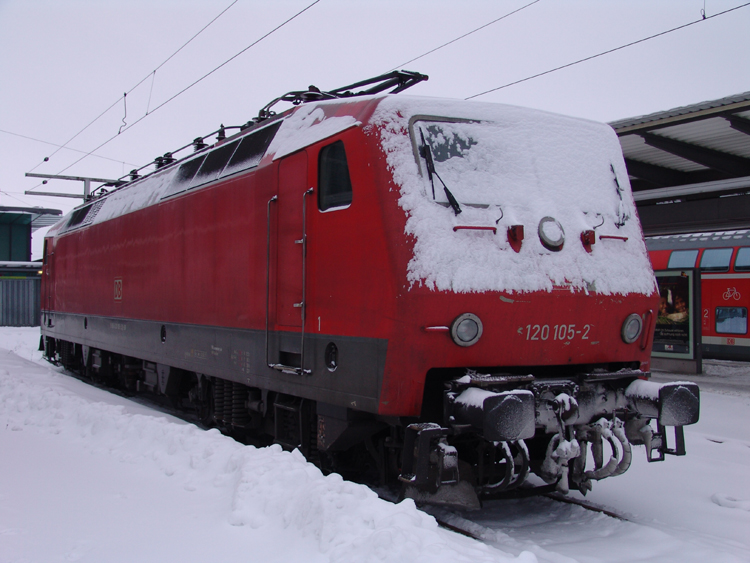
214 163
251 150
731 320
334 184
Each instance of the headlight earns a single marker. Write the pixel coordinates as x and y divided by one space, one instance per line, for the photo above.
631 328
466 329
551 234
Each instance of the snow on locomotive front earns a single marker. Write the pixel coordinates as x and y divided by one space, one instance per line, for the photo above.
525 321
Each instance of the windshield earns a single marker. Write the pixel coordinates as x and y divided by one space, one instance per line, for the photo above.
471 158
489 164
468 157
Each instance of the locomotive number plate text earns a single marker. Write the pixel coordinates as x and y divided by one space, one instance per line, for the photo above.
557 332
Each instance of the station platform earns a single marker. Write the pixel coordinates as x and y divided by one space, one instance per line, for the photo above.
719 376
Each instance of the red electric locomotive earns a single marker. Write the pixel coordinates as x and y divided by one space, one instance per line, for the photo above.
724 262
452 294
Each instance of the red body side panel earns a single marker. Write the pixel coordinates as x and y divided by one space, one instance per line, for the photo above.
199 258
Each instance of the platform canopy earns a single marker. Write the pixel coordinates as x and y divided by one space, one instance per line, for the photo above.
690 166
38 216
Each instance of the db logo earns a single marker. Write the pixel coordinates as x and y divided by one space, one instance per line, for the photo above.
730 341
118 289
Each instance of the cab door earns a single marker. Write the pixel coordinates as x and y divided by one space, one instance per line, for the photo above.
48 282
287 351
290 241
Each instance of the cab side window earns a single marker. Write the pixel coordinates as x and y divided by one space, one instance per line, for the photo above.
334 184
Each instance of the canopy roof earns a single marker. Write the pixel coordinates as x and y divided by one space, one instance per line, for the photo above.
689 154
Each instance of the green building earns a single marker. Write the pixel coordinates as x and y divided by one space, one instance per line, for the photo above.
20 278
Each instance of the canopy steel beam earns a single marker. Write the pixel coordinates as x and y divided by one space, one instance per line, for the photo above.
725 162
660 176
739 123
716 214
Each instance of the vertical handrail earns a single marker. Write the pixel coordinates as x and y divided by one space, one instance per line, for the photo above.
304 371
268 268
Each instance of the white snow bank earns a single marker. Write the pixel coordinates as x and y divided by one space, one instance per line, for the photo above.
522 166
285 506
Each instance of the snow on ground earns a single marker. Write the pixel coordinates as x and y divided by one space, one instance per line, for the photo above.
89 476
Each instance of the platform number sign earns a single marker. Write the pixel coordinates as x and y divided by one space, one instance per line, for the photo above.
118 289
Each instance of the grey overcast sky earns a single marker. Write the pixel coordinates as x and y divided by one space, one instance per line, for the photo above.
64 63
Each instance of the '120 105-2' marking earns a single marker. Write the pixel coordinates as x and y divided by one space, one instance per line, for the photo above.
558 332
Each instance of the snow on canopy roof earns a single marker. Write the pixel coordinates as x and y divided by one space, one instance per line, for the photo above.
524 165
718 239
719 104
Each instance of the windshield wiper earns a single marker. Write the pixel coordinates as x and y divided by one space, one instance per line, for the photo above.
622 215
426 153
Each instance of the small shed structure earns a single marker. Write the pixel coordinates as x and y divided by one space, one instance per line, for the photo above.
20 278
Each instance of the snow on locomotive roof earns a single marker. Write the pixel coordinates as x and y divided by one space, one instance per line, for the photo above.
521 166
306 126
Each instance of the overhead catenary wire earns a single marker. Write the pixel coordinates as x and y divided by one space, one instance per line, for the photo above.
151 74
188 87
702 19
12 196
62 147
402 65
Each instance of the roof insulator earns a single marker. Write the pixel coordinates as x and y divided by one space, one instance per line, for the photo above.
222 134
134 175
198 144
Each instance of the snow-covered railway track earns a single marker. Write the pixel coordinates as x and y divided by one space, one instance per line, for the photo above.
483 526
593 507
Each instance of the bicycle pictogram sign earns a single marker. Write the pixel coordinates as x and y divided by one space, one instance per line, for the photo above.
730 293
